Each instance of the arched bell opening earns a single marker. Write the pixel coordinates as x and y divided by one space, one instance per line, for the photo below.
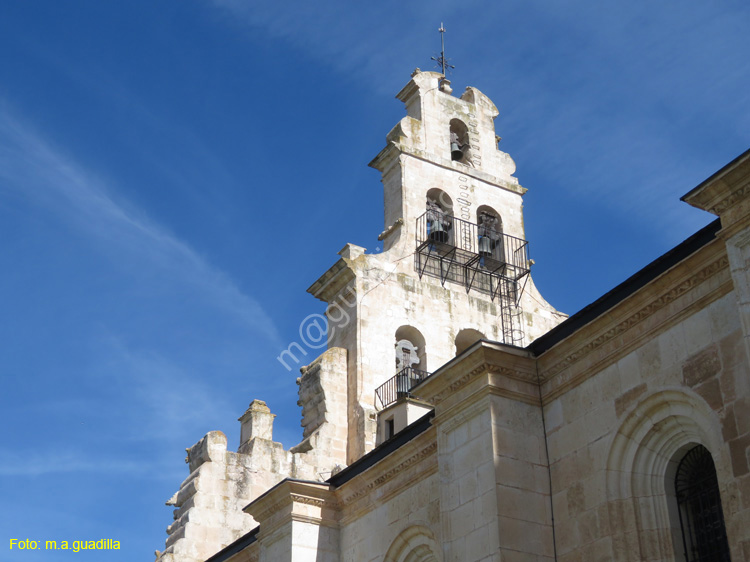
489 233
466 338
411 360
410 349
459 141
439 207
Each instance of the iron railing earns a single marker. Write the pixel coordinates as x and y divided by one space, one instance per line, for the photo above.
473 255
399 386
477 257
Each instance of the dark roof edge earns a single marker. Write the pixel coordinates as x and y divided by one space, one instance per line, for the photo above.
237 546
383 450
723 170
625 289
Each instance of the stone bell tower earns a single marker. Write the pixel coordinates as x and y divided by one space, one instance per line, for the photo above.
455 267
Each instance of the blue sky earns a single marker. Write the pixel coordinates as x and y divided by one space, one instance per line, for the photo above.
174 175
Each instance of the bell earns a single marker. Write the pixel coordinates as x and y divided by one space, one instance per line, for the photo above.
456 152
437 232
485 246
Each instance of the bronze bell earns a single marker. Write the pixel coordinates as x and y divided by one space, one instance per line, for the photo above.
456 152
438 232
484 246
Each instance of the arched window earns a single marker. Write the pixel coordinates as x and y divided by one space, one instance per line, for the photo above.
439 215
459 141
644 460
704 536
466 338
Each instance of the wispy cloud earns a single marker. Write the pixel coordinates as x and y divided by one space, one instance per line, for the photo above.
360 39
160 392
618 109
33 169
35 464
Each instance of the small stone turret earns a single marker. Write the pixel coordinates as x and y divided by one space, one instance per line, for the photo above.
257 422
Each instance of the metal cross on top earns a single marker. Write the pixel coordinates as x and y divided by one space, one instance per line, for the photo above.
441 60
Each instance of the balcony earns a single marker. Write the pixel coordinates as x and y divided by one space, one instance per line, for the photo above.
472 255
399 386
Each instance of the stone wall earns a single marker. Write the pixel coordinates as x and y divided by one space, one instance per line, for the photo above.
662 372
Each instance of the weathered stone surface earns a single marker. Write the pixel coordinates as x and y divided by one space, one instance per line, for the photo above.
701 366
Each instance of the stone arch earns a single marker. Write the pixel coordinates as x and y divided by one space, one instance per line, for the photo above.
490 233
414 544
439 211
442 199
640 463
460 148
466 338
416 339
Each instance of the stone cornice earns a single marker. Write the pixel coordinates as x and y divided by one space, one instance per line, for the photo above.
296 500
307 500
731 200
726 194
458 384
413 462
463 170
592 352
489 368
391 473
724 189
508 371
332 281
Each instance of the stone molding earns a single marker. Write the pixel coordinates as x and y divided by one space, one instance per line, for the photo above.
478 175
730 201
270 510
332 282
458 384
390 474
495 361
276 508
638 317
307 500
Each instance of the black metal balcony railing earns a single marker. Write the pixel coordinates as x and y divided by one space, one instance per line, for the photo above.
473 255
399 386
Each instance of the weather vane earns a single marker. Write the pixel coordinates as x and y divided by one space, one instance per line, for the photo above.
441 60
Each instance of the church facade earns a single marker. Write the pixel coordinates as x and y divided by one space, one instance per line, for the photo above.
457 416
